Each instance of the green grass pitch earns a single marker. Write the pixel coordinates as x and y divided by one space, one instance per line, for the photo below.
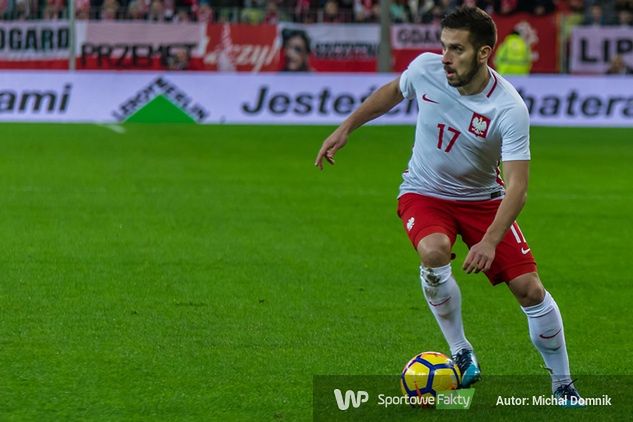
177 272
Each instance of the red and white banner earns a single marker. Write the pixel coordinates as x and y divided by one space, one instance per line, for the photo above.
125 45
241 47
34 45
593 48
541 33
336 47
140 45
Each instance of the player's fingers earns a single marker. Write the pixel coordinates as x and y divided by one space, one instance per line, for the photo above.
481 264
329 156
488 264
471 268
470 262
485 264
478 263
475 268
319 158
331 151
484 261
466 263
318 163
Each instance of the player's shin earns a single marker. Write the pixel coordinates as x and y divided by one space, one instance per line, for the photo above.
445 301
547 334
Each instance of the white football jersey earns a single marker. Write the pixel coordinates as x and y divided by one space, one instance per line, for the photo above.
461 139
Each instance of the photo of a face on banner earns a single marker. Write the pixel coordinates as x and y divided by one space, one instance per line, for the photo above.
296 51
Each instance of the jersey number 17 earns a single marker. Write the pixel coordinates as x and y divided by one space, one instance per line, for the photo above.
440 137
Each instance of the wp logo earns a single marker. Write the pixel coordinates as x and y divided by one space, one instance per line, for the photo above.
356 398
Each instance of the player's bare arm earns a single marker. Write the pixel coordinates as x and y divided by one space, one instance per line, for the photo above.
482 254
377 104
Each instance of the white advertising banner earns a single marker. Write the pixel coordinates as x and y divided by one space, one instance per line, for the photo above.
155 34
563 100
121 45
338 47
342 41
111 97
23 40
418 37
594 47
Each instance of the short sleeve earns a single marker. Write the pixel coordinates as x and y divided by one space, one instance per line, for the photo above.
414 71
515 134
406 85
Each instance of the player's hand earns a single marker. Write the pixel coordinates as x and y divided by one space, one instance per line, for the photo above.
479 257
333 143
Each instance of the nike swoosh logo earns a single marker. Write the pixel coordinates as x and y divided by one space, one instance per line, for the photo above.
441 303
525 251
425 98
552 336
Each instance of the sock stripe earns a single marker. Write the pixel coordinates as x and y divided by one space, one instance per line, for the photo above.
441 303
552 336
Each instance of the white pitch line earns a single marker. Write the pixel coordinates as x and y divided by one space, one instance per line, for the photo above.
113 127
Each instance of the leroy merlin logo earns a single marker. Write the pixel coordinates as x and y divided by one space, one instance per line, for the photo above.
160 102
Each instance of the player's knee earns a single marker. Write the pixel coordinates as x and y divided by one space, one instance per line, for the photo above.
435 258
528 289
435 250
536 293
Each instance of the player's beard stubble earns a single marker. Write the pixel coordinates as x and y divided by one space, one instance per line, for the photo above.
468 77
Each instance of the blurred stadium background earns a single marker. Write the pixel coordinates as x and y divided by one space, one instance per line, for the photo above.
170 253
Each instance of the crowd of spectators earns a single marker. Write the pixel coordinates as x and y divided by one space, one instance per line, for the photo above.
586 12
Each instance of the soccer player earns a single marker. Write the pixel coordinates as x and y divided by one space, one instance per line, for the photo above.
470 120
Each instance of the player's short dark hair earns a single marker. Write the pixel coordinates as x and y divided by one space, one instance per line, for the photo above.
483 30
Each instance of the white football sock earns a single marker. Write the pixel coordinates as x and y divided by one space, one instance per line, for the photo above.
445 301
548 336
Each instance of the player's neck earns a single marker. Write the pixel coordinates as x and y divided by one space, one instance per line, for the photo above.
477 84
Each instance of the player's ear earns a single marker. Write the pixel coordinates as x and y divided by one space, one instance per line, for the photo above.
484 53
